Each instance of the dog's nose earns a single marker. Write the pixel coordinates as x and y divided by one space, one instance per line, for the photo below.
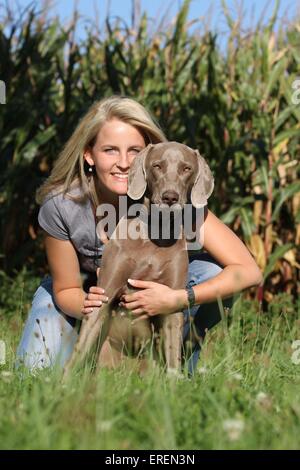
170 197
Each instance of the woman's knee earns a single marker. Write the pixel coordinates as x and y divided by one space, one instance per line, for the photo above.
49 335
202 267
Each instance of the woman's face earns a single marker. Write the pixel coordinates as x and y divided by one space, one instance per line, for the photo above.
116 146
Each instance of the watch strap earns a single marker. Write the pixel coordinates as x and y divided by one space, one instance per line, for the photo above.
191 296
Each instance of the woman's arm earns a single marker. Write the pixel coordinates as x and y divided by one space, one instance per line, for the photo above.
240 269
67 284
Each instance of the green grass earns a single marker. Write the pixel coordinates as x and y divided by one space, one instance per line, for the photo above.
245 394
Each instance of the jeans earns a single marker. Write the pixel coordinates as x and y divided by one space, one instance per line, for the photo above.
49 335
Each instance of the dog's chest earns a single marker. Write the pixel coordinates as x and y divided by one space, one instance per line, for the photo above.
158 260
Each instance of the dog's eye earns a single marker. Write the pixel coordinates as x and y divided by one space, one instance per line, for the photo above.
156 165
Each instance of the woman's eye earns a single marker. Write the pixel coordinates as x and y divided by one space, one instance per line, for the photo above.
134 151
110 150
187 168
156 165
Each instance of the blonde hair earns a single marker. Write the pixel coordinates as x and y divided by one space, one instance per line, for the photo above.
68 170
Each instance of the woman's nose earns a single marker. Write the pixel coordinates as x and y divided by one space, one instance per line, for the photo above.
124 160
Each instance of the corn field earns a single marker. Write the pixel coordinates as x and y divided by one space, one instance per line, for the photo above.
239 106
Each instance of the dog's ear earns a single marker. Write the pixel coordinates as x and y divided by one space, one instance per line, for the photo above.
137 182
204 183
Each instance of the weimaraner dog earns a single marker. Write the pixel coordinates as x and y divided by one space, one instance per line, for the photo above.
165 176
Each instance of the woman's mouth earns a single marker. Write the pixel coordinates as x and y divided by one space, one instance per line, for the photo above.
120 176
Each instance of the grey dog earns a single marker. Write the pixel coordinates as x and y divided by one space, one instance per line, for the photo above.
165 176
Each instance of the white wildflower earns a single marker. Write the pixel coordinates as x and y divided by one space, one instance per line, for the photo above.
233 428
6 373
264 400
261 396
238 377
105 426
172 372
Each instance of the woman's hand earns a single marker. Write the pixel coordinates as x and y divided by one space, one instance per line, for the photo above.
94 298
153 299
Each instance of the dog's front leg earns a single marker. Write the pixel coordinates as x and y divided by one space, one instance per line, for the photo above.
95 325
172 332
173 323
94 328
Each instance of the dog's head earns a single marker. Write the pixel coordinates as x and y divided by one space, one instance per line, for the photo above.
173 174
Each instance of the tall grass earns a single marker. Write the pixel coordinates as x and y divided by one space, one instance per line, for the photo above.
244 395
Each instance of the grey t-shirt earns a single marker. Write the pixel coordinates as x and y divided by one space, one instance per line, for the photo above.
66 219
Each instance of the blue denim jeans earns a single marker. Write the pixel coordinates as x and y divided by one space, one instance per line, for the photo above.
49 335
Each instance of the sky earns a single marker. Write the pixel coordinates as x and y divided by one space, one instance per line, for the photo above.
209 11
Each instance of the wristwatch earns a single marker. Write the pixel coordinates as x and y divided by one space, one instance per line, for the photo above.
191 296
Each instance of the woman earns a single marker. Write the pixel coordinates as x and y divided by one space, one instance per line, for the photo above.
92 169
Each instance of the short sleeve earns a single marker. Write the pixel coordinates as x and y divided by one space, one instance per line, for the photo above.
51 219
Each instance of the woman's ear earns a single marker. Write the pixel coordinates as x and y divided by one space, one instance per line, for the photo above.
204 183
137 181
87 155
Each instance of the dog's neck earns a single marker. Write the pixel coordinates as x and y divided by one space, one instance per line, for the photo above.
161 233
